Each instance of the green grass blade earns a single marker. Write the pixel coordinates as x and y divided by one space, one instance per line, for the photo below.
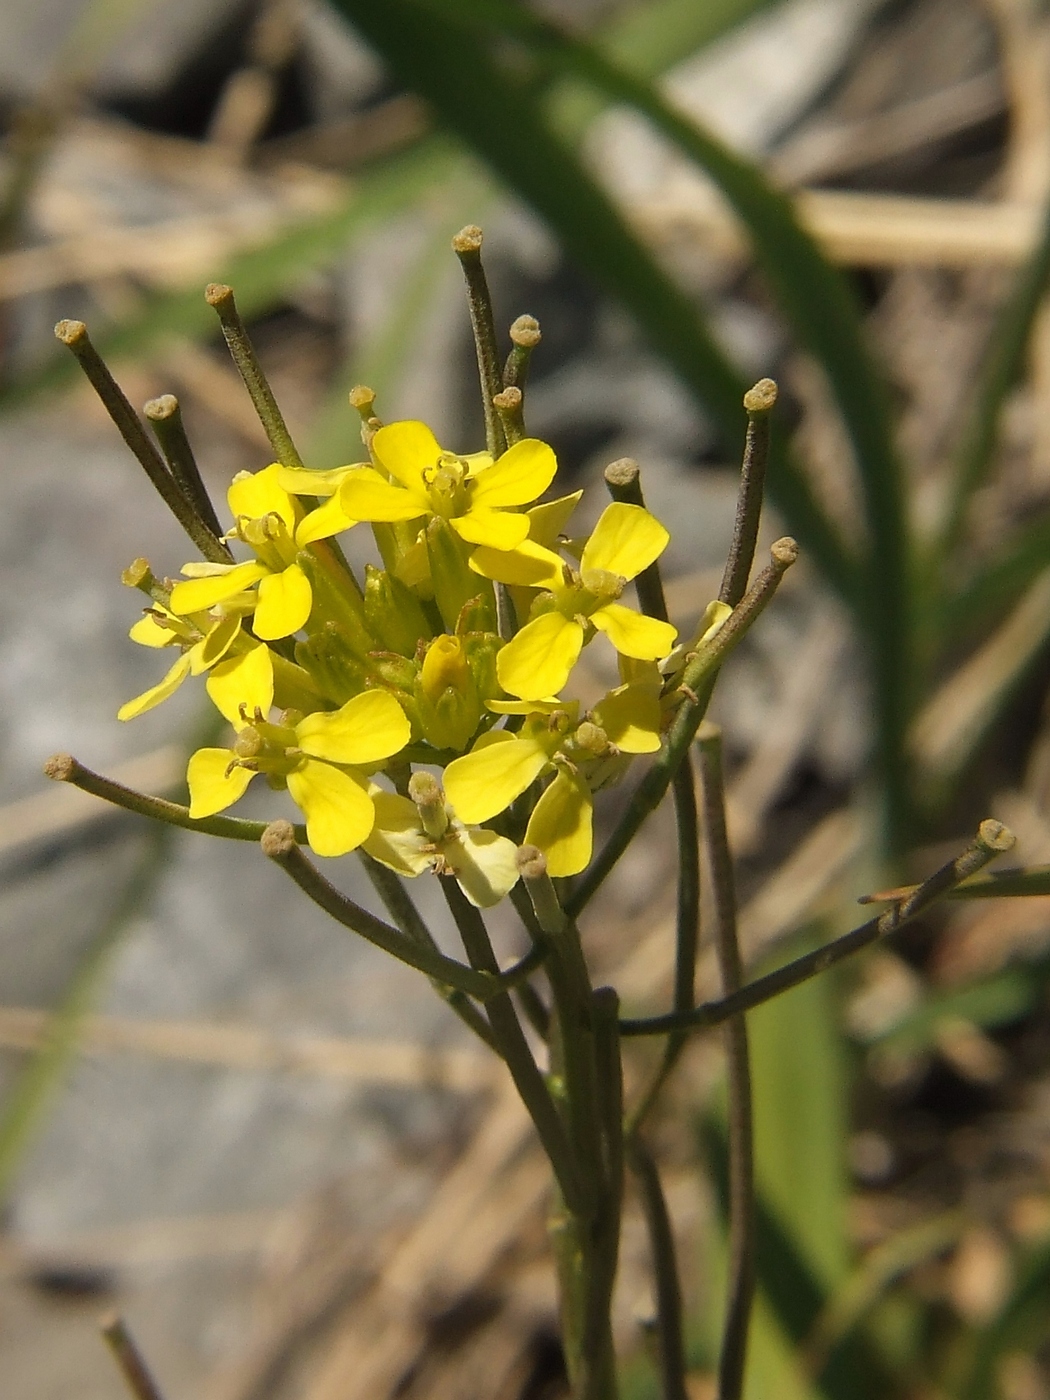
1030 1294
1002 365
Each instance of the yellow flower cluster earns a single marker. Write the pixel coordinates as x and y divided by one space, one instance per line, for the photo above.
452 657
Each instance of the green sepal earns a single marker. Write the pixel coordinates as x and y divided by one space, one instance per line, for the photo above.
393 613
335 601
331 661
454 583
451 721
478 614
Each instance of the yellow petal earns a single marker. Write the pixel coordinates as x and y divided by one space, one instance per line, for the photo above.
300 482
486 865
489 778
626 540
211 649
285 600
324 522
537 662
521 475
630 716
339 812
168 686
148 632
528 565
397 839
214 785
547 521
546 706
365 495
404 449
646 638
199 594
497 529
561 825
413 568
256 494
245 680
369 727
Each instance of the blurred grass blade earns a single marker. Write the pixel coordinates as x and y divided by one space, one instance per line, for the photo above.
1028 1302
261 275
1029 880
995 586
997 1001
499 116
1002 365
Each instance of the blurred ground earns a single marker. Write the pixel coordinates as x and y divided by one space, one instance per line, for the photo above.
232 1192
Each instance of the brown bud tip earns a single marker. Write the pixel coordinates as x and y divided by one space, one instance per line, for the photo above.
784 551
60 767
532 863
278 840
994 836
525 331
159 409
468 240
137 573
508 399
71 332
362 397
423 789
625 471
217 294
761 397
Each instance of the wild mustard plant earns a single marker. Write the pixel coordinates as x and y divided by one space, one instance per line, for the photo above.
429 717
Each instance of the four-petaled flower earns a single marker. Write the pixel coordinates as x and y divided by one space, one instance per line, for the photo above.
316 756
274 525
475 494
574 603
585 756
204 642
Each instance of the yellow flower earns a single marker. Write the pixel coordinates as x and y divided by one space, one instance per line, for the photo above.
203 643
484 863
273 523
317 757
537 662
585 756
473 493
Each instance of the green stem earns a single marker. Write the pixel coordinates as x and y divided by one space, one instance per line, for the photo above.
741 1290
758 402
166 416
508 404
64 768
74 335
401 908
524 337
696 687
467 247
665 1272
509 1037
220 297
992 840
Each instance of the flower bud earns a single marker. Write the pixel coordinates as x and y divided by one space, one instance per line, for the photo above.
449 706
392 612
454 583
331 659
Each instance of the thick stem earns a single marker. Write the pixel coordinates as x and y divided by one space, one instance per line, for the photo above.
74 335
467 247
166 416
741 1289
758 401
506 1028
132 1364
220 297
992 840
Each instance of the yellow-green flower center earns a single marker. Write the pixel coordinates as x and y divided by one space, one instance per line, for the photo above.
446 486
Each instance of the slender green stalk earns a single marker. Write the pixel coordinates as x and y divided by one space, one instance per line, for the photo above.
509 407
741 1289
532 1004
133 1368
665 1272
64 768
220 297
524 337
166 416
696 688
759 402
74 335
401 908
279 844
467 247
992 840
506 1028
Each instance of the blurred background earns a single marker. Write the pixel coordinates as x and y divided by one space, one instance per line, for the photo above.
269 1147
